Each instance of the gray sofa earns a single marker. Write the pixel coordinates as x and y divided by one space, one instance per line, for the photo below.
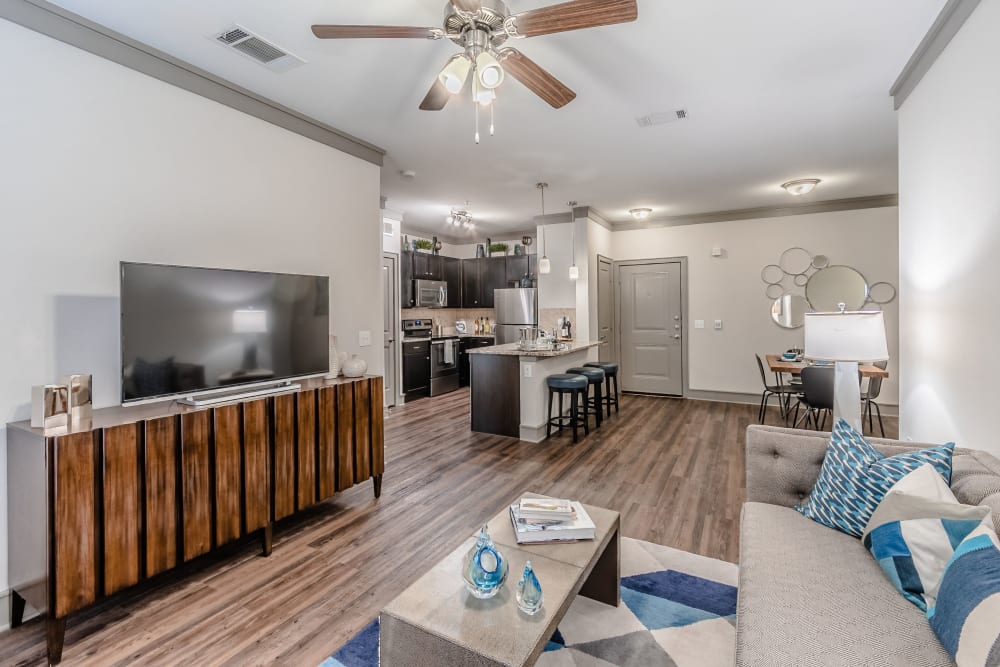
810 595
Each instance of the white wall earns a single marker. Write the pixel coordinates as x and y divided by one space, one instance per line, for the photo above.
949 240
555 289
730 288
598 243
101 163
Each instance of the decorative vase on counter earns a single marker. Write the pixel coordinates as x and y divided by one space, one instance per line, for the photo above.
334 358
483 568
355 367
480 250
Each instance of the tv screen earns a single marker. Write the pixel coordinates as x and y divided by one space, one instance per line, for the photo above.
186 330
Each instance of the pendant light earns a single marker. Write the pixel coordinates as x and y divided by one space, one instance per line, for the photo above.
544 265
574 271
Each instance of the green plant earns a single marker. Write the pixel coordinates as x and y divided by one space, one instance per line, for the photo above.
424 244
498 247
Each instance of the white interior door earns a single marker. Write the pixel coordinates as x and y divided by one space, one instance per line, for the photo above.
605 310
652 328
391 326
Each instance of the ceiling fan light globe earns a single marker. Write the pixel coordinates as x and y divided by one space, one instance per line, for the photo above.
488 70
455 73
450 219
485 97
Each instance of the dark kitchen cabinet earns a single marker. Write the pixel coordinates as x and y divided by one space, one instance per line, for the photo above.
472 284
517 268
465 344
494 276
452 274
416 369
427 266
406 298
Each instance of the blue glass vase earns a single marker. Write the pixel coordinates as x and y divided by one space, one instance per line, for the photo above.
484 569
529 591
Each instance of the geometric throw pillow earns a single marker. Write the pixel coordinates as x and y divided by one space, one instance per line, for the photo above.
966 616
855 477
915 530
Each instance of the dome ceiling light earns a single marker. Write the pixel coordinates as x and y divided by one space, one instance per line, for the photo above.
802 186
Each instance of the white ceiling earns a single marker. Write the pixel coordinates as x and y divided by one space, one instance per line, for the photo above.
776 90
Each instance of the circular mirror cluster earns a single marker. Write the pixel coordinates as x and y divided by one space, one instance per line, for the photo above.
826 287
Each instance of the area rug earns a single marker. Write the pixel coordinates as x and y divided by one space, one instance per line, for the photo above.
678 610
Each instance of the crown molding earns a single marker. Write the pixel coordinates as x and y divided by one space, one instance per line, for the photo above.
563 218
479 236
951 19
879 201
64 26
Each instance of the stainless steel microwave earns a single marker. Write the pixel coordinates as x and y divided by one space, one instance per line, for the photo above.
430 293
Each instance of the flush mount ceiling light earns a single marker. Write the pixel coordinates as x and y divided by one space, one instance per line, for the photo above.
802 186
481 29
640 213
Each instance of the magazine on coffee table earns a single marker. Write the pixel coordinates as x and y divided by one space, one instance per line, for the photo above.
528 530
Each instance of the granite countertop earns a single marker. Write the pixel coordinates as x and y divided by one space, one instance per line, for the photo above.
513 350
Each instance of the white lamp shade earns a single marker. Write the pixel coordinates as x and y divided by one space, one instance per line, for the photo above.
455 73
852 336
250 321
544 265
490 72
574 272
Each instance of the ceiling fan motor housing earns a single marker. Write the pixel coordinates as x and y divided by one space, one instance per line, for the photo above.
489 19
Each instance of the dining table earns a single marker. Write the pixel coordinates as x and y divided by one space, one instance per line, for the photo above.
778 364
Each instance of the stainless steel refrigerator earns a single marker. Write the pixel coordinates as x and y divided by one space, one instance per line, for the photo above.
516 308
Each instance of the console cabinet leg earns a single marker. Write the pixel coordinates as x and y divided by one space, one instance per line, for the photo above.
16 609
55 631
377 484
266 533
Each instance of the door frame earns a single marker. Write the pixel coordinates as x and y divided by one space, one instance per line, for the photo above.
614 349
395 349
685 328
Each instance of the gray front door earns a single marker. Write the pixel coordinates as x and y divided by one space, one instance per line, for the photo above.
391 326
605 310
652 330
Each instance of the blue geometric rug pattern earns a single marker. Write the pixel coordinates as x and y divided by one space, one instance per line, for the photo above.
678 610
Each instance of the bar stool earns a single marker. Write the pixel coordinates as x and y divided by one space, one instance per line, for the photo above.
610 369
593 405
574 385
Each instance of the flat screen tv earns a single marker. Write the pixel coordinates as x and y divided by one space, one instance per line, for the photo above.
187 330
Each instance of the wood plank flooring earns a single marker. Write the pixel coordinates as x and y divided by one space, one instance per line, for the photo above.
673 468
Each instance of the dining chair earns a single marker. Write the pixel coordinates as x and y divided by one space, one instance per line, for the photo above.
780 390
868 399
816 396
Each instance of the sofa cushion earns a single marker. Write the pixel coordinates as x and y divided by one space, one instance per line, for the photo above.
810 595
914 532
855 476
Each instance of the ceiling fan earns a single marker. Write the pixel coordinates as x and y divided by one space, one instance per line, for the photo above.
481 28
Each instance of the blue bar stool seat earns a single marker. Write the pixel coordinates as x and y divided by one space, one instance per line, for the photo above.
610 369
594 404
576 387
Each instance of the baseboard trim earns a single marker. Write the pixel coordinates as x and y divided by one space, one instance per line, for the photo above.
888 409
29 612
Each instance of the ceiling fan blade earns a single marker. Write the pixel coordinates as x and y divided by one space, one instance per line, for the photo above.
536 79
356 31
575 15
467 5
437 97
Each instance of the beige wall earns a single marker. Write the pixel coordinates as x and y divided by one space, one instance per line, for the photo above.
102 164
730 288
949 233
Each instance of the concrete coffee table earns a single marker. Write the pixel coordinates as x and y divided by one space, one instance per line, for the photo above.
437 622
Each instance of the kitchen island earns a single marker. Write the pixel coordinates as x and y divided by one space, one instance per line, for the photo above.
509 394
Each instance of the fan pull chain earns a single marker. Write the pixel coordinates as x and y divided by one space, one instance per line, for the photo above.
475 97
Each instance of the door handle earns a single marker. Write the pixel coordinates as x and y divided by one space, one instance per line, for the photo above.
677 336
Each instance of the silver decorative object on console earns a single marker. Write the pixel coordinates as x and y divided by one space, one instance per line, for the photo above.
49 406
80 395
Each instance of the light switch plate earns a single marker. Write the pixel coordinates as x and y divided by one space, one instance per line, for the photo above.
699 324
718 324
365 338
529 370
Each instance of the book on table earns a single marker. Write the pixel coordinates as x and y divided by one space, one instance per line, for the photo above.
527 530
545 509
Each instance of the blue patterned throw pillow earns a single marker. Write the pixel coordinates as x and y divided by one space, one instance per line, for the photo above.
966 616
855 477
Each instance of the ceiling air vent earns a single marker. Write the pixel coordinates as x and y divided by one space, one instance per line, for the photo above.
257 48
662 118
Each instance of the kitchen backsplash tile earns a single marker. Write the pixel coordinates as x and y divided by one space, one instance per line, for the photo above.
447 317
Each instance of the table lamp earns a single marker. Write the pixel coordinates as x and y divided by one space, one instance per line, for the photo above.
846 338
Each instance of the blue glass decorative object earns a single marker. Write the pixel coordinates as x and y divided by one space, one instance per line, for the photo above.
529 591
484 569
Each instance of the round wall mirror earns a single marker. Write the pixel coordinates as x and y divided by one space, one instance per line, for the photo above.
772 274
795 260
882 293
774 291
820 262
789 311
835 285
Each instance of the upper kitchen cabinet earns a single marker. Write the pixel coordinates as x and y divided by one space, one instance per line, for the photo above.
494 274
452 274
472 284
427 266
479 278
406 298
